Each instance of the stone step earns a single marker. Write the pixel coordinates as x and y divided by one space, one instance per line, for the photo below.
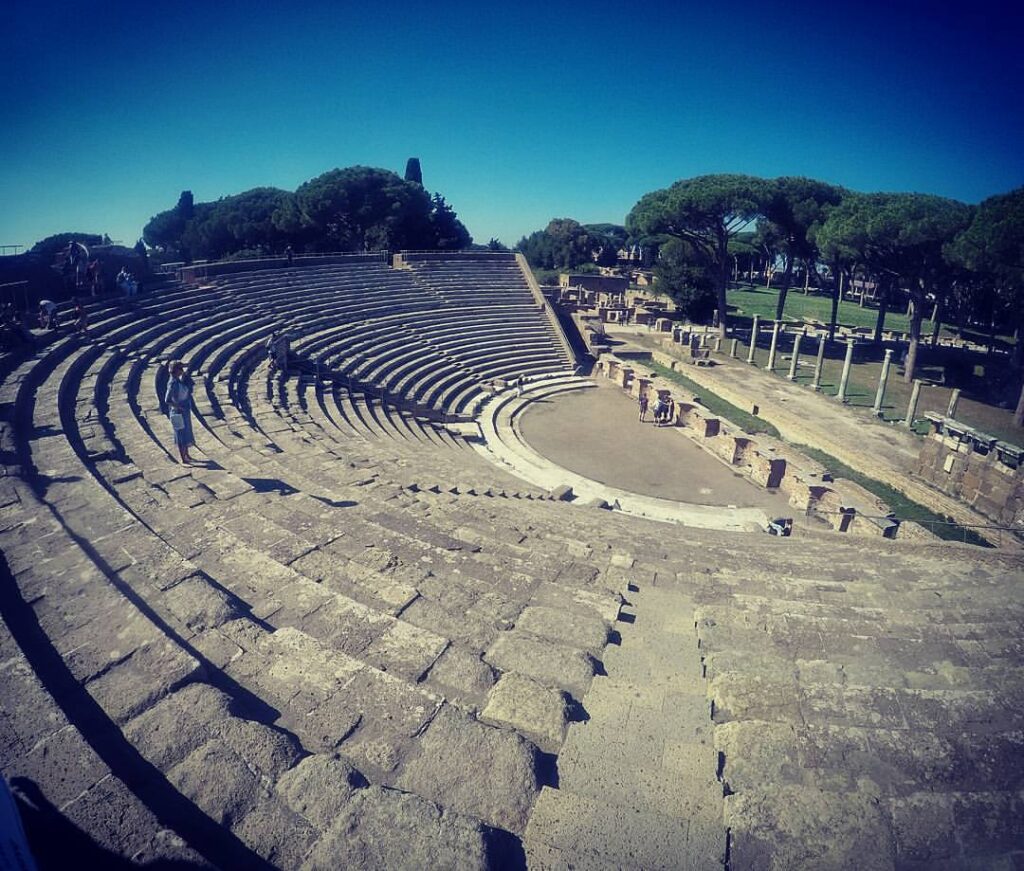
564 826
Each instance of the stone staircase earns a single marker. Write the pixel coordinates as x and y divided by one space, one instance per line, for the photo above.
345 639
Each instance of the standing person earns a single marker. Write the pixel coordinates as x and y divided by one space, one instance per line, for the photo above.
289 252
179 409
92 276
642 402
270 346
81 318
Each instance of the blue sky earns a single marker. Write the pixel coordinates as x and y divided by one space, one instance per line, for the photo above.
519 113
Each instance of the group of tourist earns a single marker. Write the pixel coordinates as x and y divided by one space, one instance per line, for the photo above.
664 410
127 283
50 316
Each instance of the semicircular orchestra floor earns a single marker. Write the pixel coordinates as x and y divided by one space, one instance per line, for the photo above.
596 433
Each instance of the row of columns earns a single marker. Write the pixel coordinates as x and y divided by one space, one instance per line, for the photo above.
844 380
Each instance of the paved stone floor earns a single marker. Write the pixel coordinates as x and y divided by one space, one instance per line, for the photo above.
596 433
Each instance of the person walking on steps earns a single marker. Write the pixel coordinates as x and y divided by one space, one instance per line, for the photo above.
179 409
642 403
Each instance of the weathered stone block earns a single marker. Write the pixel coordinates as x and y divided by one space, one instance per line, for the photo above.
551 664
804 827
504 765
571 629
319 787
538 712
381 828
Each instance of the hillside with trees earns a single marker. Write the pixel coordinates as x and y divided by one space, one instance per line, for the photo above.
357 208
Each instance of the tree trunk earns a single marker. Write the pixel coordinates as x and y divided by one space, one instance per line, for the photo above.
787 277
937 324
916 312
837 284
723 283
883 310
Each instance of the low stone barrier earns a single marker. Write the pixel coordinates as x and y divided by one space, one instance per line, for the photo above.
845 506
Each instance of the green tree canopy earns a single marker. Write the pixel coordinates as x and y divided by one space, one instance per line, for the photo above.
563 244
900 239
166 229
361 208
683 275
355 209
243 221
992 247
607 239
797 207
705 212
449 232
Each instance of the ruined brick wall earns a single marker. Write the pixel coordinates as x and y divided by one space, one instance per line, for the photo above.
980 480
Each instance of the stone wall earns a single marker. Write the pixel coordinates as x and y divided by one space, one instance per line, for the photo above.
982 480
596 283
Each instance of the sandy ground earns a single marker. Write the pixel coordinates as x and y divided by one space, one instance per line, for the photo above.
596 433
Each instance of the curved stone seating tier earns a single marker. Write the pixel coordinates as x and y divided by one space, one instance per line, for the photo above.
345 640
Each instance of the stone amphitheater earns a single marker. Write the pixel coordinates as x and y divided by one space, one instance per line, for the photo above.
346 639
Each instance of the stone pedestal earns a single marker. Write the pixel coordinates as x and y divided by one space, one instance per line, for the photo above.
847 363
796 357
882 379
774 347
915 394
819 363
753 340
733 348
718 344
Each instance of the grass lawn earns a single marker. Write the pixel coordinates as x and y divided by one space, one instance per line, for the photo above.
761 301
982 378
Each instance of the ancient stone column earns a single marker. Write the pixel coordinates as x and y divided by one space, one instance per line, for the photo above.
912 405
845 380
796 357
753 341
954 400
718 344
882 379
775 344
819 363
732 348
